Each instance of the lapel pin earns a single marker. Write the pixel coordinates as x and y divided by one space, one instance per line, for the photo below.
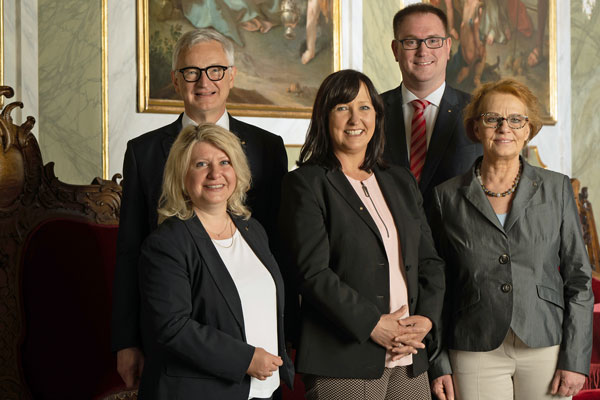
243 142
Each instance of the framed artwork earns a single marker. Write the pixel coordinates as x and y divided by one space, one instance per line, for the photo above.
283 51
494 39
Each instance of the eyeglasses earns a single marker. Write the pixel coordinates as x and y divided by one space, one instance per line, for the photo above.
434 42
494 120
213 72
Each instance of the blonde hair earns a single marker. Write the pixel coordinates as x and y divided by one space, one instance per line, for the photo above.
508 86
174 199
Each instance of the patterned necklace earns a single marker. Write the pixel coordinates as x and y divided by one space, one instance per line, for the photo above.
511 190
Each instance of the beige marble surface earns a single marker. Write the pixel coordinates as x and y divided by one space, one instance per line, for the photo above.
378 59
70 84
585 73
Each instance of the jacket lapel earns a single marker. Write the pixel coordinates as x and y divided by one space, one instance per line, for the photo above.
339 181
397 206
471 190
172 131
443 131
216 268
396 134
236 127
524 196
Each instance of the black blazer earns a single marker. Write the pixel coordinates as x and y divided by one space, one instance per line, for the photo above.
450 152
143 168
192 320
339 262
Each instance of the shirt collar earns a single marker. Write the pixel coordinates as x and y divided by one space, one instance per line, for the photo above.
223 122
434 97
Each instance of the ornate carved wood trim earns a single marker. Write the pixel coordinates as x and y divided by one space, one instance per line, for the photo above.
30 193
586 216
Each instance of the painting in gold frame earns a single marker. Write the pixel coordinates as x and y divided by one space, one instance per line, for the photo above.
496 39
273 79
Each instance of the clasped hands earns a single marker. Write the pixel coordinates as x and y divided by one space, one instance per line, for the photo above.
401 336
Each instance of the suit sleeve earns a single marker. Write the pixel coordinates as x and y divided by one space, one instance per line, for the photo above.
303 229
279 169
576 346
166 295
133 229
440 362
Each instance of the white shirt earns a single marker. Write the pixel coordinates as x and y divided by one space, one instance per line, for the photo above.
430 113
223 122
257 292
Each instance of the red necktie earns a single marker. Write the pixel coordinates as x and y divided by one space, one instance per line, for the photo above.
418 138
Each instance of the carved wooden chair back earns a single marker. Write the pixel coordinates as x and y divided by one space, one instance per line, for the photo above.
57 245
586 215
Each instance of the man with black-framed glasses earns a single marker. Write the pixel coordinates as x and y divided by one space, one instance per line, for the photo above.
423 126
202 73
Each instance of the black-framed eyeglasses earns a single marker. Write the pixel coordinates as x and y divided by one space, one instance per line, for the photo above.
213 72
434 42
494 120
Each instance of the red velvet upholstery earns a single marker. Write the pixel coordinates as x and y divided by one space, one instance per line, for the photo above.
596 290
593 394
67 289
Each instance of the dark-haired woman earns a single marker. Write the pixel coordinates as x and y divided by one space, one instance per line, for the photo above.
361 254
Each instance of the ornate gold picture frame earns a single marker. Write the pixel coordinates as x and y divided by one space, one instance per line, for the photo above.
276 76
504 38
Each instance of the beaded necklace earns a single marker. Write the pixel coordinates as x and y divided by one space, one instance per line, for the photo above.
503 194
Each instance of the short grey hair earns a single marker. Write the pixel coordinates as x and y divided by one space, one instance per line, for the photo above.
196 36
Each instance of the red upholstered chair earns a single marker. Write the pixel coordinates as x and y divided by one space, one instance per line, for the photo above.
57 252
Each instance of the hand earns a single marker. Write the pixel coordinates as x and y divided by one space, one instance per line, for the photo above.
130 363
389 328
422 324
567 383
443 387
413 330
263 364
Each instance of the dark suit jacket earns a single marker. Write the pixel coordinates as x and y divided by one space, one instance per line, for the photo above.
192 319
142 184
532 275
340 265
450 152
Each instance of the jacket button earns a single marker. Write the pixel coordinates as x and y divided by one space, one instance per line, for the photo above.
506 288
504 258
412 300
407 267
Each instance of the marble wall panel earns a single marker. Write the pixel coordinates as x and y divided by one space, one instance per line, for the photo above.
70 87
585 73
378 32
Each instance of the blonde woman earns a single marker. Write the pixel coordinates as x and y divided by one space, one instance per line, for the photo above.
211 292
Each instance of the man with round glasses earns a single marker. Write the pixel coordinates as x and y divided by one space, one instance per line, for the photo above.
202 73
423 125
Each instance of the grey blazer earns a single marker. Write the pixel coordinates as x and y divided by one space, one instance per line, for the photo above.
532 275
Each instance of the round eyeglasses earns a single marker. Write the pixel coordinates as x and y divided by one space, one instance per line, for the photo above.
434 42
494 120
213 72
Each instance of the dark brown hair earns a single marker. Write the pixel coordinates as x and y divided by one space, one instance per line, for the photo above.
339 88
419 8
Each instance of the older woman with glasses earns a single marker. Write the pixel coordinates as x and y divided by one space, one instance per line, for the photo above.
518 310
